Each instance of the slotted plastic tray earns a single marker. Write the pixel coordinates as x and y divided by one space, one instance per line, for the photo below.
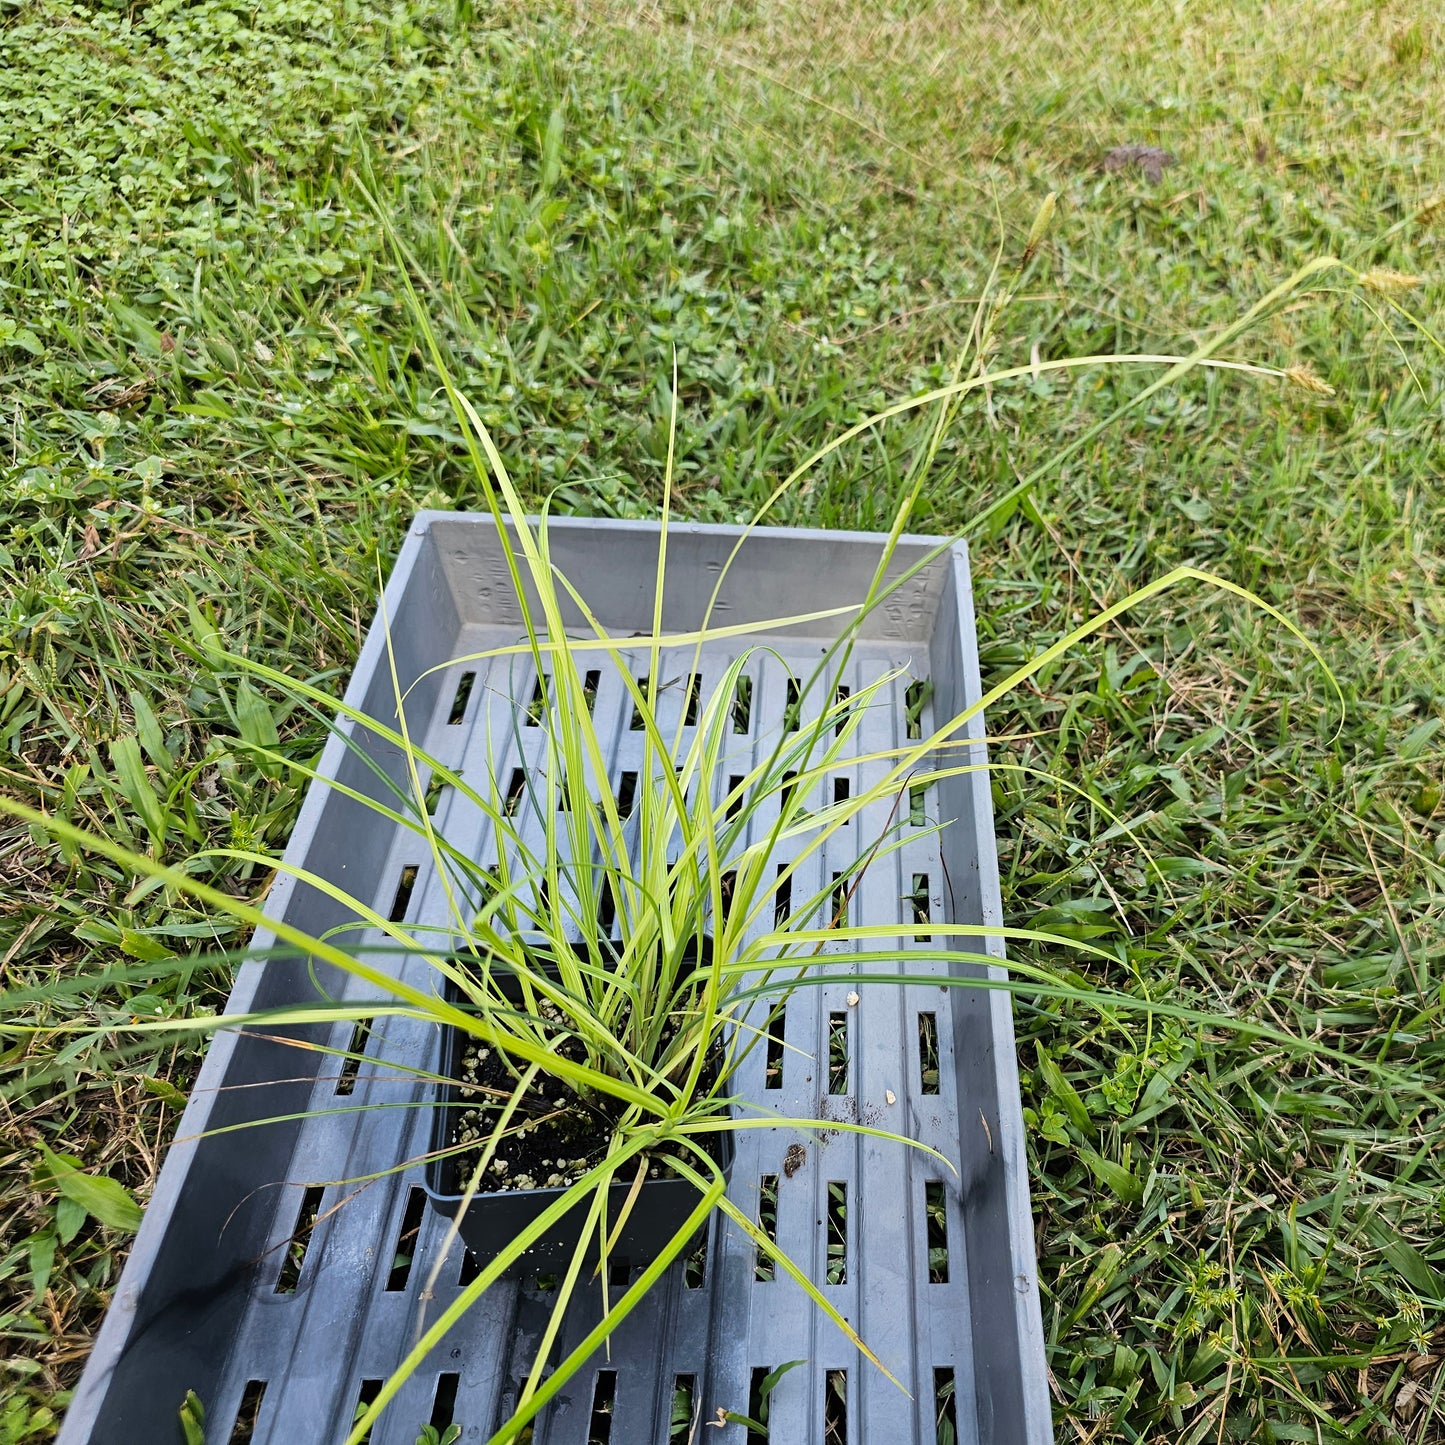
280 1336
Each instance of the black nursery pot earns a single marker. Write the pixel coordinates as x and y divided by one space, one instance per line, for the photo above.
492 1220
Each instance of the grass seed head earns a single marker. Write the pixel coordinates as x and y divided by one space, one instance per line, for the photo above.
1430 211
1306 380
1390 283
1039 228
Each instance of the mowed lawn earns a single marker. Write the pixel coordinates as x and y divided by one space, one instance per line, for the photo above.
216 414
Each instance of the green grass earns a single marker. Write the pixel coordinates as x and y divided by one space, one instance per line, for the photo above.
217 415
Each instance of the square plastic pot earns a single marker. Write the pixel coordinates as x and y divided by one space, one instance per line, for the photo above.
491 1219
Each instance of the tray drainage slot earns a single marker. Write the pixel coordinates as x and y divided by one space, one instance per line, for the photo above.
690 702
915 698
840 697
768 1223
935 1211
928 1053
444 1402
742 708
249 1412
300 1240
406 1242
404 886
917 793
469 1269
590 683
355 1048
793 708
944 1411
918 905
783 904
462 697
365 1399
840 795
684 1393
837 1053
837 1231
838 896
516 786
435 787
757 1403
773 1066
694 1272
835 1408
626 794
734 795
604 1396
537 707
790 786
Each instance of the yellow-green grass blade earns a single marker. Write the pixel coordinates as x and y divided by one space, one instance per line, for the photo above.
781 1258
1041 983
598 1177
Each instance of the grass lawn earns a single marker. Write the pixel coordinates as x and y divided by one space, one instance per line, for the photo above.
216 414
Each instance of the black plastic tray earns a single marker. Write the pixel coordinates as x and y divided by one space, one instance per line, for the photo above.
282 1271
